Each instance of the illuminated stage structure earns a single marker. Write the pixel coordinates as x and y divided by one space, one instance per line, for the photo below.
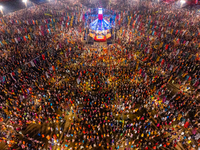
100 29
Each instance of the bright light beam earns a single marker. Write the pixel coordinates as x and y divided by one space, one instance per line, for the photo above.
182 1
25 1
1 9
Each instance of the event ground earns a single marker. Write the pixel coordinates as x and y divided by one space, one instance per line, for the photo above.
34 129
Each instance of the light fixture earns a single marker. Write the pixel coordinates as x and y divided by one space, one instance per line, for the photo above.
1 7
182 1
25 1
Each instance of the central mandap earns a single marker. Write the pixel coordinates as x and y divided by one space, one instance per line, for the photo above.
100 28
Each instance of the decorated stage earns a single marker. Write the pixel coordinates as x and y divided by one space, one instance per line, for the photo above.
100 28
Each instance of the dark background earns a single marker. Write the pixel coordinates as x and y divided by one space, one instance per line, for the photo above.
14 5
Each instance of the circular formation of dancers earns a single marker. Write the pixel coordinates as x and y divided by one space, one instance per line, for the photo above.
141 92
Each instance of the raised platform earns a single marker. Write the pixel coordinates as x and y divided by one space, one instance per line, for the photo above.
100 28
100 38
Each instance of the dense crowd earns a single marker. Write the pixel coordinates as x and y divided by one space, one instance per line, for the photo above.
142 92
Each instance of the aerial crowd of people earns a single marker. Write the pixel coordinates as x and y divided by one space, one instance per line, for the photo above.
141 92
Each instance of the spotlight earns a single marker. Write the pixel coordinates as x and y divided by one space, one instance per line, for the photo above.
25 1
182 1
1 7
